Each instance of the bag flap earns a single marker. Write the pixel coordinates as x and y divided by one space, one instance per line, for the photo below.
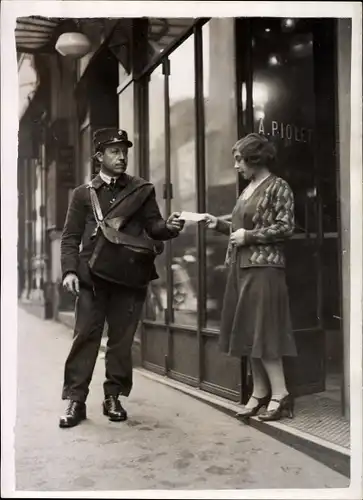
120 238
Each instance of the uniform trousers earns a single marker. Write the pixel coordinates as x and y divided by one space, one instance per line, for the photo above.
121 307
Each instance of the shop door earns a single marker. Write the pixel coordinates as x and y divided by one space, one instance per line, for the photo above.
170 341
283 96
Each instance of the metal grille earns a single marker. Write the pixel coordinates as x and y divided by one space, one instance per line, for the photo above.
321 417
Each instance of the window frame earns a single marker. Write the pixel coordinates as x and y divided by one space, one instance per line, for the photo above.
151 66
143 80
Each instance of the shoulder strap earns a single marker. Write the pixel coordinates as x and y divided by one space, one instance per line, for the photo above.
98 215
97 212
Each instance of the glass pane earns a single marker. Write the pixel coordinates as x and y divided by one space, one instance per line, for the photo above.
284 110
162 32
284 104
87 164
120 46
126 121
156 303
183 179
220 133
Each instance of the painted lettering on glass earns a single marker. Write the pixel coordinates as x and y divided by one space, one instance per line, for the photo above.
287 131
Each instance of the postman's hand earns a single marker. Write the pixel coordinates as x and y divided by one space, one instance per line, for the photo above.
174 223
210 220
71 283
238 237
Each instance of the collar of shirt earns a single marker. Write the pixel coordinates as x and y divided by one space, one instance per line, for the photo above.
106 178
121 180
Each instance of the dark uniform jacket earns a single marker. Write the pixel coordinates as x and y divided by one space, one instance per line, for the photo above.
78 237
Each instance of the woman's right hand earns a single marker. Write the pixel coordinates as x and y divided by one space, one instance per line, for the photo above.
211 221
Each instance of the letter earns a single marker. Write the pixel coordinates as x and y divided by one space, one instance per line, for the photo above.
282 130
275 127
288 134
261 128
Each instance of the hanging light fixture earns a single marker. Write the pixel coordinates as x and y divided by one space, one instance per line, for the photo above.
73 42
288 25
274 60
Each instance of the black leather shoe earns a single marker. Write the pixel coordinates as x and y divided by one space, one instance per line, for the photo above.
75 413
284 409
113 409
251 412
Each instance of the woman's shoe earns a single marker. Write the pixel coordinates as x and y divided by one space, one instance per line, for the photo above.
284 409
251 412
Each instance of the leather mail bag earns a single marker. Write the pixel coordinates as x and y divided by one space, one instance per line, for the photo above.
119 257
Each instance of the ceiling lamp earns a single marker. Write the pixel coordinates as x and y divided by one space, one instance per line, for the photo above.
274 60
288 24
73 44
302 46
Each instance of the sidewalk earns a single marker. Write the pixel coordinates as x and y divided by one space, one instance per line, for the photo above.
318 428
171 441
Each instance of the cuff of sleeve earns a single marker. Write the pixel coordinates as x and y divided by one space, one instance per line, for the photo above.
248 237
173 233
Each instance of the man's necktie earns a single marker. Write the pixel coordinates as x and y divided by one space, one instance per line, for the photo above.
112 187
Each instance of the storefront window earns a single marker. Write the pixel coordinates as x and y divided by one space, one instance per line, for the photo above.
126 120
284 104
183 179
164 31
157 300
220 135
284 110
87 164
120 46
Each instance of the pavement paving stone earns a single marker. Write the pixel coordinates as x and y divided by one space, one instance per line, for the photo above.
171 441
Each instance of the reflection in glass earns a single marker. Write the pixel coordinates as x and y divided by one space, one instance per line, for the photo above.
126 121
89 168
183 179
157 302
220 135
284 110
164 31
284 105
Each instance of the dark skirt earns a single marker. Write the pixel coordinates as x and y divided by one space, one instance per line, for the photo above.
256 314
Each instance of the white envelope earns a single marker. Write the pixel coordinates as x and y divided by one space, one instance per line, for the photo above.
191 216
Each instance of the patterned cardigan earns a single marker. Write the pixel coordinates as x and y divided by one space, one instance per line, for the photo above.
273 222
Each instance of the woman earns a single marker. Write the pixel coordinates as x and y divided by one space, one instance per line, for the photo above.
255 316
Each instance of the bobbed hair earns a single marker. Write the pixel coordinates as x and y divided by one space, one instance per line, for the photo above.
256 150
